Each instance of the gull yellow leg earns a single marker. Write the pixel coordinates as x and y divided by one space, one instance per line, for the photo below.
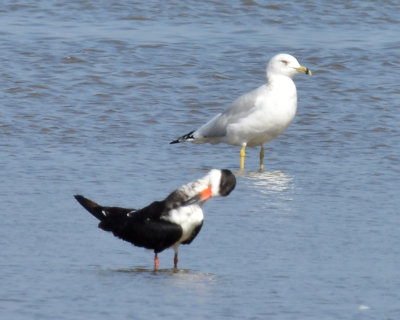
242 156
262 159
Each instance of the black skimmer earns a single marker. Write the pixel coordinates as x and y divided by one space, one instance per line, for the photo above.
168 223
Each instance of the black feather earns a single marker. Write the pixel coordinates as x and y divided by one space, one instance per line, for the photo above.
188 136
143 227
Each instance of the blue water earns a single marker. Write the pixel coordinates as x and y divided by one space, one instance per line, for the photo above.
92 93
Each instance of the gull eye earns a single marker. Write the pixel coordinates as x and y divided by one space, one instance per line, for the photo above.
285 62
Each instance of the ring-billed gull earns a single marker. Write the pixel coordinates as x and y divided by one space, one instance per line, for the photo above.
257 116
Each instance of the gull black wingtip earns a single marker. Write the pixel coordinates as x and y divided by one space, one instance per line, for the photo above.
186 137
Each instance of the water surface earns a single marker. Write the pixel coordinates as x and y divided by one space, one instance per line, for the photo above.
93 93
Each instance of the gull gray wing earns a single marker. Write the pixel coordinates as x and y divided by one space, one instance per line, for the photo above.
241 108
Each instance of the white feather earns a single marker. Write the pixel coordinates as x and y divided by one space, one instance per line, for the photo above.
193 188
188 217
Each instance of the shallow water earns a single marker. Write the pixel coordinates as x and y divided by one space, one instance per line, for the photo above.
92 95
